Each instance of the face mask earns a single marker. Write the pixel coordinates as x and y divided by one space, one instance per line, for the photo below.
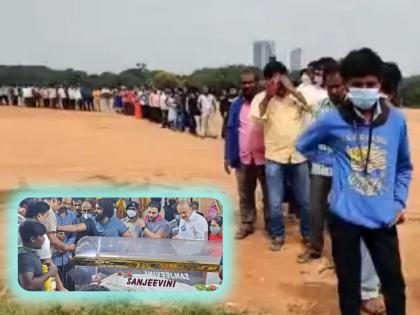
363 98
131 213
87 215
214 230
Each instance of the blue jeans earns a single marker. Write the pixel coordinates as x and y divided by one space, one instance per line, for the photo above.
180 121
370 279
298 176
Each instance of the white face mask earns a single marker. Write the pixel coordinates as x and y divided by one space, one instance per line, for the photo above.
87 215
131 213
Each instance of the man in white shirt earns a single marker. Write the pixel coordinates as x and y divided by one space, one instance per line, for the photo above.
106 100
52 94
44 97
314 91
71 98
28 96
3 95
61 97
192 226
77 97
207 106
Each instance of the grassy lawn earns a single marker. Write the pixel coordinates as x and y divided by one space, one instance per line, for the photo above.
8 307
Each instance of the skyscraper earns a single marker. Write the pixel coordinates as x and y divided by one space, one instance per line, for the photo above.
263 50
296 59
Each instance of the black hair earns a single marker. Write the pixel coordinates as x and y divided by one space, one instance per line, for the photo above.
326 62
107 204
51 198
361 63
313 64
219 220
31 228
154 204
35 208
25 202
274 67
302 71
391 77
249 71
331 69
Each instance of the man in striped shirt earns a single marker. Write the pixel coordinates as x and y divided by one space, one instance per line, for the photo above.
321 171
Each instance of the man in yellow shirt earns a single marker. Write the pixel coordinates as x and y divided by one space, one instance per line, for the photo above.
96 94
283 112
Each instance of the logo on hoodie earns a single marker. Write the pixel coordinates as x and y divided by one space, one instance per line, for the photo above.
372 182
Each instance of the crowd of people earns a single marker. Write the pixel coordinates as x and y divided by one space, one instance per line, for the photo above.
50 228
178 109
336 148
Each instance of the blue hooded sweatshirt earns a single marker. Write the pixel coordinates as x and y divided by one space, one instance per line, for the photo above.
371 163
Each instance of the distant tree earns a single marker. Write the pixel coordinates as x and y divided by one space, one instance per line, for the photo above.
163 79
410 92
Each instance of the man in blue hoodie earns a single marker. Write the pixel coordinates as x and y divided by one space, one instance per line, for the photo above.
371 174
244 152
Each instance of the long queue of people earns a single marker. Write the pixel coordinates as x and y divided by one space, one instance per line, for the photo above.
50 228
337 147
178 109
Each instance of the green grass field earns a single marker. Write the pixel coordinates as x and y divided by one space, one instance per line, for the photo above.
8 307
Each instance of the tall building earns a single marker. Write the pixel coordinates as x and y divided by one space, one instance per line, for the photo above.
296 59
263 50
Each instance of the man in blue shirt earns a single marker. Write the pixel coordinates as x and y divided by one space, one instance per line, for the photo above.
65 216
103 224
372 172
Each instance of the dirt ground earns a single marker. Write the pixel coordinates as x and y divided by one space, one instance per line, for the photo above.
46 146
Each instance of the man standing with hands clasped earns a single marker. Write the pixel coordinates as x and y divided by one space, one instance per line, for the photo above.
283 112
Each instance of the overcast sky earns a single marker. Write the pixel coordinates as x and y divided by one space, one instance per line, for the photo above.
183 35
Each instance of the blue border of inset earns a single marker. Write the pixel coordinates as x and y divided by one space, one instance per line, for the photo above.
114 191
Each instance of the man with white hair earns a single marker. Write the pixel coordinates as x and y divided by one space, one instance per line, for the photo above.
192 226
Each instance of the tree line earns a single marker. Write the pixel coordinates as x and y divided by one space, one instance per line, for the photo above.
216 79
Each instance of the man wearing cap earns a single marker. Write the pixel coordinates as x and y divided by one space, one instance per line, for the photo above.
131 218
103 224
153 225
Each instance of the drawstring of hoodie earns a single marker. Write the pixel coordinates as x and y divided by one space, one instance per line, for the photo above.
365 161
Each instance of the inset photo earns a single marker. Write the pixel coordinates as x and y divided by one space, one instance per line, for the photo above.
120 244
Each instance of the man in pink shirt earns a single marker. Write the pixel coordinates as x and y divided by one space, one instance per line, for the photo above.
244 151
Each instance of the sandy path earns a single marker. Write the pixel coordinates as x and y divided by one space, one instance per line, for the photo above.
45 146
